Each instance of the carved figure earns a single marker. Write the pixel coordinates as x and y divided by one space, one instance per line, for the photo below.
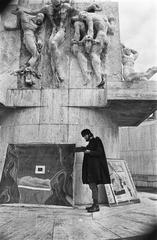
30 25
129 57
77 48
57 13
93 8
96 40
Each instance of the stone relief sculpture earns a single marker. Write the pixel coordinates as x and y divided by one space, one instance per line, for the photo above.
57 13
30 26
129 57
95 41
89 44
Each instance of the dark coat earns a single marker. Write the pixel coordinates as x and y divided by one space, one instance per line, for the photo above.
95 168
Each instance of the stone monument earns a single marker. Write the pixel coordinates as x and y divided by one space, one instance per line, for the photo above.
61 72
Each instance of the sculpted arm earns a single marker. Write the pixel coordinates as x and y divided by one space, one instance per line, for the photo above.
34 12
84 16
89 22
111 26
135 53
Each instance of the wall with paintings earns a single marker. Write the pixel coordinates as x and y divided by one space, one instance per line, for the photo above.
139 148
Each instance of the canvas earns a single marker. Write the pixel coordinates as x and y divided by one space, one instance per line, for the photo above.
122 188
38 174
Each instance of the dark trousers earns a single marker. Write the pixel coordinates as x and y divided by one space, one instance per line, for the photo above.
94 189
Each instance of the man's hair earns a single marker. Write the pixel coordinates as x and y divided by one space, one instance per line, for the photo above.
86 132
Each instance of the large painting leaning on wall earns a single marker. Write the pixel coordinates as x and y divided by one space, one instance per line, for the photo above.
122 188
38 174
9 192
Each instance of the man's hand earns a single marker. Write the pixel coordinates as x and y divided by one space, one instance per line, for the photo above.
87 151
79 149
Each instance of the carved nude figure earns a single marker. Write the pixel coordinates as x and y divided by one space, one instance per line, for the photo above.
57 13
29 24
129 57
96 40
79 38
78 47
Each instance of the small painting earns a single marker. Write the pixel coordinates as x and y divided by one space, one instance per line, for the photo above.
122 188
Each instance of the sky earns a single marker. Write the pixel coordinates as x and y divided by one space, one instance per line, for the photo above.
138 30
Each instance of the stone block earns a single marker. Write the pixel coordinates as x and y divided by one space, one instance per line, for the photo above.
23 98
87 97
55 102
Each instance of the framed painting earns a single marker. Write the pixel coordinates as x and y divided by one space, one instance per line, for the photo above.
122 188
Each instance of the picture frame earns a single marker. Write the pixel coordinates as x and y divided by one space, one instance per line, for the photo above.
122 189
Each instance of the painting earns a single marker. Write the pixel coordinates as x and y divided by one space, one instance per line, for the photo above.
122 188
38 174
9 192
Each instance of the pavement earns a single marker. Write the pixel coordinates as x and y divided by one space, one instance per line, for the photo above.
32 222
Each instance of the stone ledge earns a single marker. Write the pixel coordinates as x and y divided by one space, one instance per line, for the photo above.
87 97
77 97
132 91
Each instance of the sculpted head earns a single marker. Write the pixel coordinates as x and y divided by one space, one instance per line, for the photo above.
39 18
83 15
56 2
127 51
17 11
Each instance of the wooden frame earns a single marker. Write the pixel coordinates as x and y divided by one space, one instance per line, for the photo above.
122 189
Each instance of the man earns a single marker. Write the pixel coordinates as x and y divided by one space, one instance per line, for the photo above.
57 13
94 169
129 57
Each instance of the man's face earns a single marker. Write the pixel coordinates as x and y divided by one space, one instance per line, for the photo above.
87 137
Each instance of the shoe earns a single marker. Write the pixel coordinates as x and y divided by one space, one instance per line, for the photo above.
94 208
87 208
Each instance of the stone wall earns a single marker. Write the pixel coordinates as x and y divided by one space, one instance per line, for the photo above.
57 115
138 148
57 123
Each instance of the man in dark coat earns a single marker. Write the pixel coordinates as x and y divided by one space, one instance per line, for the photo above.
94 169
